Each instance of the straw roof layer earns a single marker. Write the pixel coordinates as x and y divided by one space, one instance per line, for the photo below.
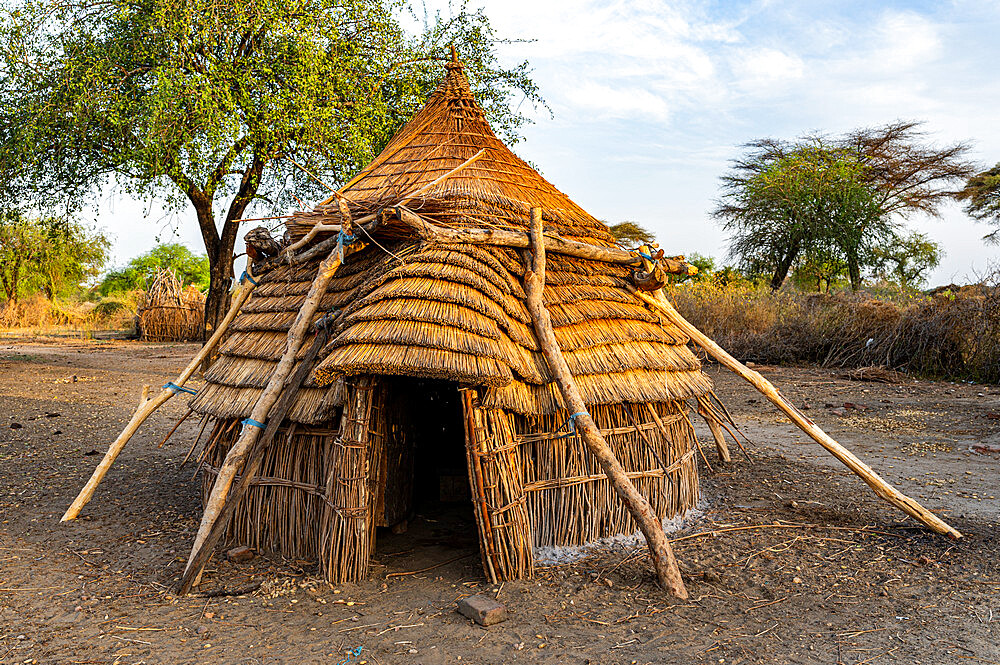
457 312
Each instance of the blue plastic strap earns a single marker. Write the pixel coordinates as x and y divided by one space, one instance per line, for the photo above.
345 239
255 423
245 277
571 422
179 389
645 256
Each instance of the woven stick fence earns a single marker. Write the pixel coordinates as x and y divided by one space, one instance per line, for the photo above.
170 312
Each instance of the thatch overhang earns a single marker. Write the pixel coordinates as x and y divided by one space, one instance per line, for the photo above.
454 311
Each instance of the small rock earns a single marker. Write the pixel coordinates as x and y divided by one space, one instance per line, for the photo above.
240 554
838 412
751 365
16 425
412 651
201 630
482 609
21 637
797 580
608 582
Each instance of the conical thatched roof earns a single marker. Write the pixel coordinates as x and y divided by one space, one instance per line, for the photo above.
457 312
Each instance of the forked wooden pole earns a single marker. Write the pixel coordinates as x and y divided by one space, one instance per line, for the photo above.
253 426
667 571
148 406
880 486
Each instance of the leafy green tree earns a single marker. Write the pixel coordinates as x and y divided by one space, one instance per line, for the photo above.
631 233
800 201
198 102
46 254
848 194
907 259
704 264
190 269
982 199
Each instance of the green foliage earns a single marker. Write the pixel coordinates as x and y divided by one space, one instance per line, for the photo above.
631 234
906 260
48 255
818 202
199 101
704 264
982 199
190 269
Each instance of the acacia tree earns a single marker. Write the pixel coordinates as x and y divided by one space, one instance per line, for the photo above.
197 102
846 194
982 199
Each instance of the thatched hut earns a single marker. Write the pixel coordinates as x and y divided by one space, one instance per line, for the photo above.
429 344
433 361
169 311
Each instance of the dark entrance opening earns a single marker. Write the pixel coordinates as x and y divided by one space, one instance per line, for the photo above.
428 515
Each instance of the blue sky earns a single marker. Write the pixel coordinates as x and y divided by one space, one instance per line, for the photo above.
650 100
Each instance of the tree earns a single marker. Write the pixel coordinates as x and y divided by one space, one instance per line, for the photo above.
198 102
907 260
631 233
845 195
982 199
190 269
46 254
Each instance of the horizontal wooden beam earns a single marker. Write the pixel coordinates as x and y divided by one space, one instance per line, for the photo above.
510 238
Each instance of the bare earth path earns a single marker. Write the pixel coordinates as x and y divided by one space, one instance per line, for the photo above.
863 586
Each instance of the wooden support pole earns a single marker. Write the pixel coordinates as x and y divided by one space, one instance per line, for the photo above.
238 454
716 429
883 489
667 571
148 406
507 238
255 459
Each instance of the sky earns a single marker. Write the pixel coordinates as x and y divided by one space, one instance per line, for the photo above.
651 100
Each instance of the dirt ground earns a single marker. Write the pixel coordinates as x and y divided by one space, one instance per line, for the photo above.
792 560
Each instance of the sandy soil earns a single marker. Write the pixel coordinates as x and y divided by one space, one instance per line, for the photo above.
823 572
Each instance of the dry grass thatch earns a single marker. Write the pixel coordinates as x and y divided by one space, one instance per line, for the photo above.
170 312
457 312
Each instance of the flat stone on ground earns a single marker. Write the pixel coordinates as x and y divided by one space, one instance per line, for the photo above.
240 554
482 609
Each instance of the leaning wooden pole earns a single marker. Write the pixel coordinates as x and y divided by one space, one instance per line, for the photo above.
256 456
255 424
865 472
667 571
148 406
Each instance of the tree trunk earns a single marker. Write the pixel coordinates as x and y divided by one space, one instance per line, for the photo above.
781 270
854 270
219 249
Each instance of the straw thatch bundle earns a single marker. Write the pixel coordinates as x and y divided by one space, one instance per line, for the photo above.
171 312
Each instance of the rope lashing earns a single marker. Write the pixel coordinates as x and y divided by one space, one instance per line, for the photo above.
246 277
253 423
344 239
645 256
571 424
179 389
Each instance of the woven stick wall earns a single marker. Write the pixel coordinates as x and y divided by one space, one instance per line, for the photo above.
348 524
282 512
569 498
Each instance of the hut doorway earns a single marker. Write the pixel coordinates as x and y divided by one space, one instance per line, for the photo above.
425 500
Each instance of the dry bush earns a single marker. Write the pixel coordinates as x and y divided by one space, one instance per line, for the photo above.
953 335
39 314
